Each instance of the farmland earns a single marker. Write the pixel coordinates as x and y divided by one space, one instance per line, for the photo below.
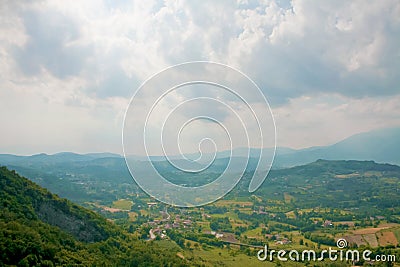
305 207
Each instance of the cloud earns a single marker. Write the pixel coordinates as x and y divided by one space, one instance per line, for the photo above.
50 45
83 60
290 50
328 118
330 47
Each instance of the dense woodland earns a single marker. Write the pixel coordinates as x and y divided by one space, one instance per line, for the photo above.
31 236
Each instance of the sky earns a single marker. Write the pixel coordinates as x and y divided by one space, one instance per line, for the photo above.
68 69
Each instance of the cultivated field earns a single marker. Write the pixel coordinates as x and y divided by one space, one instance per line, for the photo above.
387 238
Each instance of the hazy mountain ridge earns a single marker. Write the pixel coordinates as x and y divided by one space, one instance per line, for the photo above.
381 145
61 157
80 177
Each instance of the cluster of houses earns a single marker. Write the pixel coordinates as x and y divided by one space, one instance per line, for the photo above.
279 240
217 235
327 223
159 226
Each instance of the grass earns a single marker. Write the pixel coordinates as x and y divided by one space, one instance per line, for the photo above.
132 216
291 215
144 212
226 257
167 244
122 204
397 233
246 210
288 198
228 203
232 257
231 215
254 233
204 225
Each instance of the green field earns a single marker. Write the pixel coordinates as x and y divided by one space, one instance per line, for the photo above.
254 233
397 234
122 204
225 257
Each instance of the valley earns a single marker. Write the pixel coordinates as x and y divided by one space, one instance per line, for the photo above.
304 207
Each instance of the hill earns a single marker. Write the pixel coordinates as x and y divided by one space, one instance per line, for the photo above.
45 159
37 228
381 146
365 186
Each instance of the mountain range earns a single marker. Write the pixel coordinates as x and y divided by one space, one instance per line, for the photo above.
381 146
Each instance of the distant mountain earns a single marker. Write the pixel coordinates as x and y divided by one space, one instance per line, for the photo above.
62 157
38 228
380 146
103 155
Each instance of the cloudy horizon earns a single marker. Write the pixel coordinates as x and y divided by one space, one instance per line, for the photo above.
69 69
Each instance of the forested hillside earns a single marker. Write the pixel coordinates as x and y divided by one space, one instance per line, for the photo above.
38 228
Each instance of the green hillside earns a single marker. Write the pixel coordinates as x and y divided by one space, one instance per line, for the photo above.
365 187
38 228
